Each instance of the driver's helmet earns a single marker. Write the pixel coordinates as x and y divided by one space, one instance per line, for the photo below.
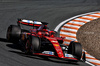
47 33
52 33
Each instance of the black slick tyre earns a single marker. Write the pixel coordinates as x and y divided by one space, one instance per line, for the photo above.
33 45
75 49
13 33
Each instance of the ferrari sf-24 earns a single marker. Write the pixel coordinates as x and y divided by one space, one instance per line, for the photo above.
39 40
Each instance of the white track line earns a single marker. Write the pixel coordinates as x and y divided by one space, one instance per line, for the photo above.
63 22
72 26
87 55
95 14
71 34
74 22
65 42
73 39
82 20
89 63
90 17
96 61
69 29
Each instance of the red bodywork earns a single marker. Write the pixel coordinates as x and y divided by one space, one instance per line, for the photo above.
49 35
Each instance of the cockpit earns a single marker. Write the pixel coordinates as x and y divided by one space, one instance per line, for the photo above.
43 30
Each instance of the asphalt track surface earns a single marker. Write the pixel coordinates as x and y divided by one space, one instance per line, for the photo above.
53 12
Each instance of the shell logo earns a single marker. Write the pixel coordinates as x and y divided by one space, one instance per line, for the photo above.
56 45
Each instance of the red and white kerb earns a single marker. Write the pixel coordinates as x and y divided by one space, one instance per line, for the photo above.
70 29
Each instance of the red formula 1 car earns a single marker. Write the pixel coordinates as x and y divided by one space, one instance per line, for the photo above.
41 41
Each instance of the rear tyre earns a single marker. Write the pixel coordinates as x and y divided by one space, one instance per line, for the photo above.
75 49
13 33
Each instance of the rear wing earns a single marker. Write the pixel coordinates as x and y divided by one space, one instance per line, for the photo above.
31 22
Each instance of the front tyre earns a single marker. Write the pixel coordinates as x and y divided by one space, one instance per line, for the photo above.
75 49
33 45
